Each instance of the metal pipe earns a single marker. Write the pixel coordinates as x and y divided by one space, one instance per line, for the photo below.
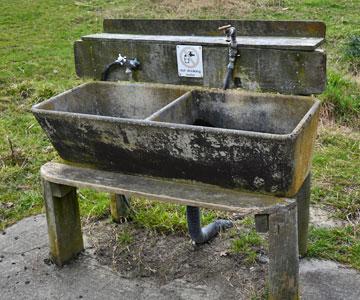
228 77
202 235
230 32
108 68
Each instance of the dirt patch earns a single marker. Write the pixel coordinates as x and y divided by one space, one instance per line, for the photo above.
320 217
170 258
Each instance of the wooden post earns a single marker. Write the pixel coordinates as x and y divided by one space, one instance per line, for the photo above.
303 207
119 207
284 254
262 222
63 219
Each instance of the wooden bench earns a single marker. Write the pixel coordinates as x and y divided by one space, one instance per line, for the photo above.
276 215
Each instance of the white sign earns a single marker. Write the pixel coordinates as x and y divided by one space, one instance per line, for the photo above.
189 61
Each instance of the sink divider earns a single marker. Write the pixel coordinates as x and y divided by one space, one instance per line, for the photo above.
167 112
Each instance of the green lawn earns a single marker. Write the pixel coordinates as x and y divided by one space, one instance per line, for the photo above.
36 62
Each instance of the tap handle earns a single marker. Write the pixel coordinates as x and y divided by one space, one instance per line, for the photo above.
229 31
224 28
121 59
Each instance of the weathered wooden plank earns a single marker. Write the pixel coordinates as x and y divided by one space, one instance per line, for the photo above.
262 223
303 208
175 191
284 71
63 219
59 190
284 255
273 42
210 27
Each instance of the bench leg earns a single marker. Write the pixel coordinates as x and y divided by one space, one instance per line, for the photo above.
284 255
63 219
303 204
119 207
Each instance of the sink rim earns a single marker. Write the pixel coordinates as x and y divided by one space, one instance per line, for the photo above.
36 109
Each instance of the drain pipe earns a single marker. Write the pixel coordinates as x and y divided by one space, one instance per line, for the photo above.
202 235
230 32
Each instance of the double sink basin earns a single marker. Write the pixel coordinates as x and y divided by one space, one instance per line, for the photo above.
235 139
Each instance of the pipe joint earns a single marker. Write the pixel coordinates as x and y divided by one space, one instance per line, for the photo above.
201 235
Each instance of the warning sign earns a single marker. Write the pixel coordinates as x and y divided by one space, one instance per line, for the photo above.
189 60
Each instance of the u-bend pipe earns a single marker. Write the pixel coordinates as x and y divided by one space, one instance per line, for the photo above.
201 235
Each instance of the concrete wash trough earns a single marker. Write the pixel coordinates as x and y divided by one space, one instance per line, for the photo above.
237 139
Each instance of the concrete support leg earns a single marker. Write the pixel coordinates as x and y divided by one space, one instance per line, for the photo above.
284 255
303 206
63 219
120 208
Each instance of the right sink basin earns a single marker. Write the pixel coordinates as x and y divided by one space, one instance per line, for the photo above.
263 113
253 140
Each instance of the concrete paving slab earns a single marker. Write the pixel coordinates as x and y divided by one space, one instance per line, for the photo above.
28 234
323 279
25 273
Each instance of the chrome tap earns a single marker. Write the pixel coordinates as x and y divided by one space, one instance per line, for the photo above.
129 64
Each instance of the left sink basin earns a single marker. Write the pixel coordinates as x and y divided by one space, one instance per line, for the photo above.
100 124
108 99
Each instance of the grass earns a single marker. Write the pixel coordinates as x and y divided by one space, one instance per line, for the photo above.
352 54
341 100
248 242
339 244
336 185
246 245
36 39
163 217
93 205
124 238
336 172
